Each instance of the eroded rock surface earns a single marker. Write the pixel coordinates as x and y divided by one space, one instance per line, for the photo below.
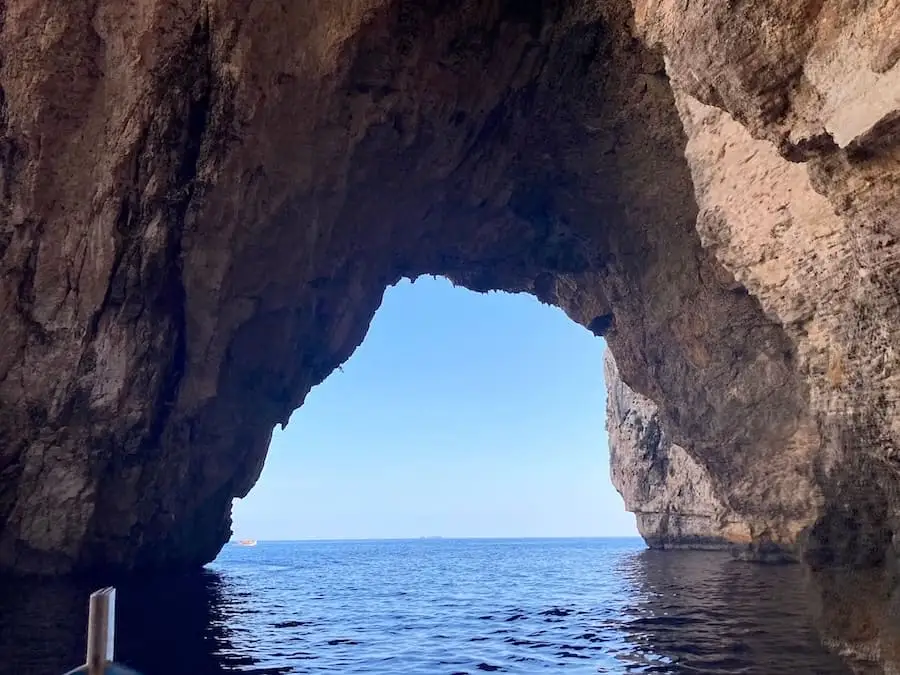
204 200
673 497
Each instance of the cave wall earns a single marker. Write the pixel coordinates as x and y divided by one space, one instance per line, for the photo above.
814 239
203 202
791 116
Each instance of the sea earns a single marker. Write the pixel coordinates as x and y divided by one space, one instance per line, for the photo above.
440 606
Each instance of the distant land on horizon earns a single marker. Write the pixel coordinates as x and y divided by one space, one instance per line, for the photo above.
235 540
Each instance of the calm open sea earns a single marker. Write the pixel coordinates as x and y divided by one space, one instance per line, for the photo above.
435 606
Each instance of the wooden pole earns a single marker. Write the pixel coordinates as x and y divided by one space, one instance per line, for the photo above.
101 630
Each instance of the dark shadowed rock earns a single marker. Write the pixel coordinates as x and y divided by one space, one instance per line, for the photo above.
203 202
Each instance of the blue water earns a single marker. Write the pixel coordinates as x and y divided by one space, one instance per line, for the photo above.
436 606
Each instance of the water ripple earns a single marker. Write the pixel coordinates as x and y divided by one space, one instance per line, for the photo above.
443 607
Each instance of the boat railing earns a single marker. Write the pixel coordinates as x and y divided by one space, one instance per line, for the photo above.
101 637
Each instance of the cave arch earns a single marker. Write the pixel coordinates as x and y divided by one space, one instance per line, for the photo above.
271 201
204 202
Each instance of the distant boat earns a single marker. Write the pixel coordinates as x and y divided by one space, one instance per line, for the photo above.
247 542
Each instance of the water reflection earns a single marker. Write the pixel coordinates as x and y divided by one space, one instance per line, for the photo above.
433 608
43 624
709 613
858 614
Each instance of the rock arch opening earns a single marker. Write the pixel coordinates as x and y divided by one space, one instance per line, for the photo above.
460 415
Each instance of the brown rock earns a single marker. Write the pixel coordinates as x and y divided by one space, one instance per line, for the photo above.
201 204
673 496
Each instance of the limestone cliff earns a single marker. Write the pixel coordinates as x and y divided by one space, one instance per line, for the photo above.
202 202
672 496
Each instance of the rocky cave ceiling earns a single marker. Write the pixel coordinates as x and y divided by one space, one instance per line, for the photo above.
203 202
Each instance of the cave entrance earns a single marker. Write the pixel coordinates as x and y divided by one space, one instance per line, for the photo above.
461 415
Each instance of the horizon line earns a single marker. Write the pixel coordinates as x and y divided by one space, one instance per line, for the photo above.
440 537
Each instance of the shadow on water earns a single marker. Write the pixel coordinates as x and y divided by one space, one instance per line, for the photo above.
43 624
523 607
858 614
703 612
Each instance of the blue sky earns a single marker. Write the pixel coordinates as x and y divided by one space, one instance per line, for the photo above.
461 415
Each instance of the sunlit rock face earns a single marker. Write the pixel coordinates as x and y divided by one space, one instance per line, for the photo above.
673 497
203 202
